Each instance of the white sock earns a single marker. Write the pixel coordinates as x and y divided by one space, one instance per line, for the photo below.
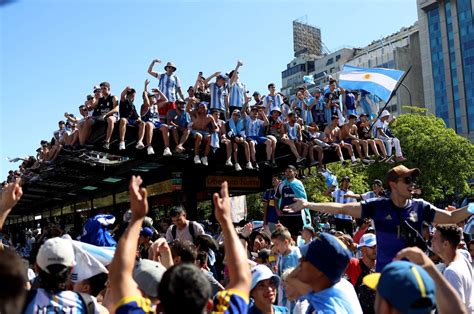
341 158
353 158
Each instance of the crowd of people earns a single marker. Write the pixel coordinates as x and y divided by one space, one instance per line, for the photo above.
389 253
218 113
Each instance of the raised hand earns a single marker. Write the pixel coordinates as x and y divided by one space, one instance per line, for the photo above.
147 81
157 61
138 198
10 196
222 205
415 255
240 63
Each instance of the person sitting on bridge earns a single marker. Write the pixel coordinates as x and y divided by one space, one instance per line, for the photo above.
201 121
254 125
350 135
235 128
178 120
105 109
383 133
150 115
363 129
221 137
128 114
292 136
333 132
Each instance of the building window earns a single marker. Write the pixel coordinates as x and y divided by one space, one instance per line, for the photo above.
466 38
453 67
338 57
330 61
437 65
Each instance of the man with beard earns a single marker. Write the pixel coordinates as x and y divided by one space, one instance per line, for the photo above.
360 267
392 215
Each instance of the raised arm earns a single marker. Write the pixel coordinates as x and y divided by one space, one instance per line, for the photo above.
447 299
150 68
239 271
263 117
124 93
206 82
9 197
451 217
121 283
352 209
234 75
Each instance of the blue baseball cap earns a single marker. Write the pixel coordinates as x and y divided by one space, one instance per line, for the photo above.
146 232
262 272
328 254
406 286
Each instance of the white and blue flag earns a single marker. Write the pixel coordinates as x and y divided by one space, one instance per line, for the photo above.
378 81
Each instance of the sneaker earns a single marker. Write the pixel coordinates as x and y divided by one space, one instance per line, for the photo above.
167 152
140 145
321 169
300 160
344 163
366 161
389 160
122 145
274 164
149 150
381 158
197 160
249 166
106 145
267 163
354 162
255 165
204 161
228 163
237 167
401 158
314 163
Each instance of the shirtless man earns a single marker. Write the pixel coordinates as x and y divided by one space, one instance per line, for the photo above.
350 135
333 135
201 121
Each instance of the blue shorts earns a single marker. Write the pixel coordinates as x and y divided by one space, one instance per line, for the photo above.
132 121
258 139
157 124
203 133
348 141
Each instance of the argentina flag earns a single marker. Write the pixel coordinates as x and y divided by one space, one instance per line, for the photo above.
378 81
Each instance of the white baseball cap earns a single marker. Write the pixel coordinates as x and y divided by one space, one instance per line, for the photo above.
262 272
368 239
55 251
384 113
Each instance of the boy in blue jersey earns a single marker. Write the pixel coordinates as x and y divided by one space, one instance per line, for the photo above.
288 256
183 288
237 90
390 213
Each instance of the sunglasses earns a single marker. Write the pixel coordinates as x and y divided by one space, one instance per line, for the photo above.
409 180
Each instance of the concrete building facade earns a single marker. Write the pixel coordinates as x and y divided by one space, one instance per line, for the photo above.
399 51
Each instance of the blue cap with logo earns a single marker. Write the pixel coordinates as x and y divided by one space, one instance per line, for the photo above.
328 254
406 286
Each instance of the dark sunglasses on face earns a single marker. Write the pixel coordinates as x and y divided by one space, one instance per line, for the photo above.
409 180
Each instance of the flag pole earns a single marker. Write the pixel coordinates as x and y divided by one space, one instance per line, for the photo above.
391 96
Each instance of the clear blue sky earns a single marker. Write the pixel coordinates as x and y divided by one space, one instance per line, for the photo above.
53 52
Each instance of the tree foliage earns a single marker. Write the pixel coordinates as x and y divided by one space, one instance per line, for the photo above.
446 160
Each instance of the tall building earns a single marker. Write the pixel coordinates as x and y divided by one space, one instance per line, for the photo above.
400 51
306 39
447 55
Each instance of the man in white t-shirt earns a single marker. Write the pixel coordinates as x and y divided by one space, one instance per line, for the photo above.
457 269
182 229
387 138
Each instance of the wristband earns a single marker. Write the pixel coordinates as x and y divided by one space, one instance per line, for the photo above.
470 208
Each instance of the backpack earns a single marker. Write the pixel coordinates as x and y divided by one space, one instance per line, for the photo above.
190 227
85 298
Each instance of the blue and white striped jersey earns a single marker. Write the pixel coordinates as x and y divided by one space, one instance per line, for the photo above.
338 196
217 96
273 102
237 94
168 85
253 127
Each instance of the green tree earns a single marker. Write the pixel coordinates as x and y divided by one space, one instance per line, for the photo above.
446 160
